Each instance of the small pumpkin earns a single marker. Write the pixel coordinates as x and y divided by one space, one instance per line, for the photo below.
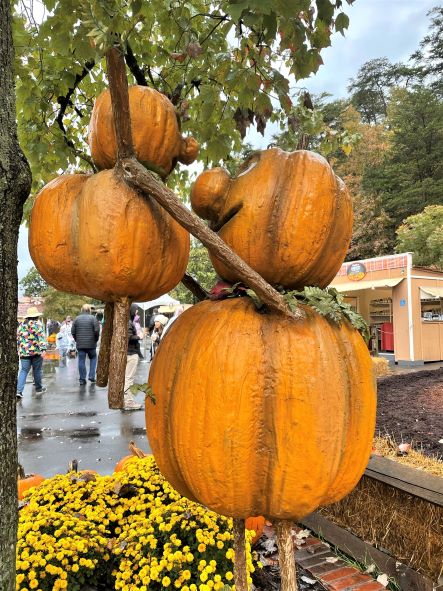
26 482
93 235
136 454
257 524
285 213
281 424
156 135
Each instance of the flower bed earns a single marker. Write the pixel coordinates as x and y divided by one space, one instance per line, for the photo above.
129 531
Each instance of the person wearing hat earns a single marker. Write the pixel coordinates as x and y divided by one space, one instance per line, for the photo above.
31 344
160 322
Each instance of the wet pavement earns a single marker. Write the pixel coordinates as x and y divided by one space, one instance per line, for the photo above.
70 421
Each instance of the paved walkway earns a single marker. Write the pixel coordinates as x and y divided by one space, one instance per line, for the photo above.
71 421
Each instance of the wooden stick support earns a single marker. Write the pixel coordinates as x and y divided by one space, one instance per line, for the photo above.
240 572
105 346
118 87
136 175
119 353
286 558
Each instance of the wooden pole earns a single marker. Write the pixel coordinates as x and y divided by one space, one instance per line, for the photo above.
137 176
240 572
286 558
105 346
119 353
118 87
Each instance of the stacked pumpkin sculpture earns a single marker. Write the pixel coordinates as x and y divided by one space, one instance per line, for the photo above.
259 413
92 235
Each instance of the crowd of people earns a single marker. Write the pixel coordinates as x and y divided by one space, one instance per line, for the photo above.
80 338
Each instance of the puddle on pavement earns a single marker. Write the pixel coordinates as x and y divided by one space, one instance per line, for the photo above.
82 433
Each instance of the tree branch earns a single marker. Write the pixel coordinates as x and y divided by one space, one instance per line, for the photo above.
65 102
194 287
135 69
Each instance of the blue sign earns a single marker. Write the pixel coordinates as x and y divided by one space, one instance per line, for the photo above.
402 303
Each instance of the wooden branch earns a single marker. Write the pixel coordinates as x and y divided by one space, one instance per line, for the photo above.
132 63
118 85
105 347
119 354
139 178
286 558
194 287
240 574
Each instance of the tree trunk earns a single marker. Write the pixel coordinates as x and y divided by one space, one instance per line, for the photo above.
15 182
119 354
105 346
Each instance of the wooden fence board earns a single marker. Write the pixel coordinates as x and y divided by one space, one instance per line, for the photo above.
416 482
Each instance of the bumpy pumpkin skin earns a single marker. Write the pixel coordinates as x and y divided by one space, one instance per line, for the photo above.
286 214
155 132
52 239
106 241
259 414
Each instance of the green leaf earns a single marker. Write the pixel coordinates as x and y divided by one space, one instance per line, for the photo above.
341 22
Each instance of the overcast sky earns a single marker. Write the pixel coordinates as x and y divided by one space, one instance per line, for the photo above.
378 28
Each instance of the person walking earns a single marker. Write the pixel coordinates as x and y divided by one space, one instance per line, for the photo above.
132 361
31 344
64 339
160 322
86 331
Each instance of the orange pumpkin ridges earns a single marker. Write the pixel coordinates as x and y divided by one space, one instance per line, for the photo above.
267 406
286 214
155 132
93 235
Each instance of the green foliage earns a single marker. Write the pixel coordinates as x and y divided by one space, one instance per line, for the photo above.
422 234
330 304
58 304
201 269
222 63
410 177
370 89
321 127
33 283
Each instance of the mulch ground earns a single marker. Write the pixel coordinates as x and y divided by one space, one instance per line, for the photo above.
410 409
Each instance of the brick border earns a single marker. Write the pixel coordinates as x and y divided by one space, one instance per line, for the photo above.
335 576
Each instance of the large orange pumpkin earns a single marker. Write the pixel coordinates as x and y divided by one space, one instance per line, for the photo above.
156 135
260 414
286 214
93 235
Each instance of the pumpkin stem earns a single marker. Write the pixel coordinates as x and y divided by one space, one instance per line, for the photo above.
20 472
240 577
286 558
136 451
119 353
105 347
